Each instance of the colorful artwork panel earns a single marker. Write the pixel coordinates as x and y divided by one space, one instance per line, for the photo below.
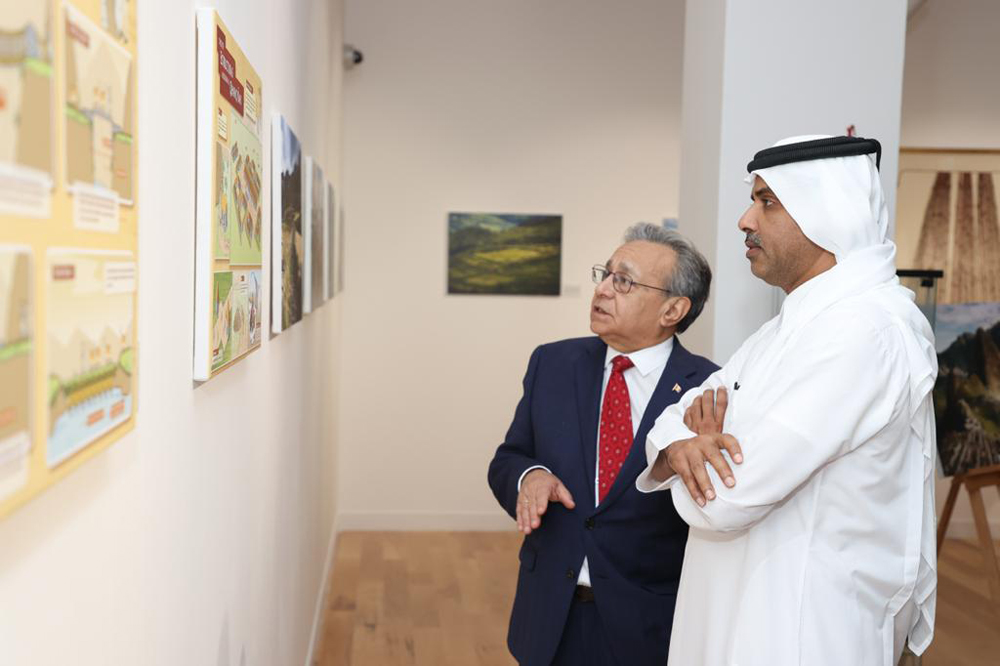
27 112
99 85
229 239
68 238
91 347
16 359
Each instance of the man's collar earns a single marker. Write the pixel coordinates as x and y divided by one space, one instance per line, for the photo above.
645 360
793 307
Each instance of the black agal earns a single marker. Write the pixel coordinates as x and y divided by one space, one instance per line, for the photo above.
816 149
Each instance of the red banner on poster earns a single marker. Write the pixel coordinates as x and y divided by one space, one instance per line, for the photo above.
229 85
73 31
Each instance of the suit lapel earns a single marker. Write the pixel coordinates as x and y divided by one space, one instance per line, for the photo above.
589 381
679 373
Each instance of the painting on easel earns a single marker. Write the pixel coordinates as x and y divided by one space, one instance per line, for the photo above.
947 219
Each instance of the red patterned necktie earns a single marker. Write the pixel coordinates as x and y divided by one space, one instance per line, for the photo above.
616 427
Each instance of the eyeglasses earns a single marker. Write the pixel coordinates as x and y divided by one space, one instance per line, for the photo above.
621 282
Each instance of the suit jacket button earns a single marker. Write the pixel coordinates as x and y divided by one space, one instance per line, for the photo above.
589 523
570 574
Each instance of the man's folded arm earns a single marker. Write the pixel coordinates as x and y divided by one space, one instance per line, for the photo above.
829 396
669 428
515 457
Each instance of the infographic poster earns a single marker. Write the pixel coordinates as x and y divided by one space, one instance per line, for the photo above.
27 108
68 237
229 239
287 233
16 346
235 315
91 347
98 120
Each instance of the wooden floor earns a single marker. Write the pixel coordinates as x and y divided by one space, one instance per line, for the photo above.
967 631
443 598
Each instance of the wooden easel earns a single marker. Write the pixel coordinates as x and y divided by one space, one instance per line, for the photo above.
974 481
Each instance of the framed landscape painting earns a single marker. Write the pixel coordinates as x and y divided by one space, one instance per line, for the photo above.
494 253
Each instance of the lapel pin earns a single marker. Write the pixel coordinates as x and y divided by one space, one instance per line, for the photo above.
677 388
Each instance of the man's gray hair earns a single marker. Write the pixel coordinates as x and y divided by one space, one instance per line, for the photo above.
692 277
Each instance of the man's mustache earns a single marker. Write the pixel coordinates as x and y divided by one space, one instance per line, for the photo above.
753 239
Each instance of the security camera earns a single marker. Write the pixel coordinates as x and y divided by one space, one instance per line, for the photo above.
352 56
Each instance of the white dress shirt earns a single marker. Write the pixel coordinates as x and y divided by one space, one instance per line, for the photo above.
641 380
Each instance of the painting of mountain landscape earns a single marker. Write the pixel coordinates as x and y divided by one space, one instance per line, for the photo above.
967 392
504 254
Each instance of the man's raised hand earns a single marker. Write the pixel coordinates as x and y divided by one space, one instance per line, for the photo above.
708 412
538 488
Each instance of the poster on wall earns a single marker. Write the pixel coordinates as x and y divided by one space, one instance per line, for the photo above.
68 238
229 239
99 115
315 198
27 114
492 253
287 236
16 345
330 269
947 219
91 350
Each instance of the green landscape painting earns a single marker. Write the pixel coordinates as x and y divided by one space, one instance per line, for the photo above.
504 254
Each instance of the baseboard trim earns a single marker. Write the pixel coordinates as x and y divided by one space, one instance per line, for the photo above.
425 521
319 613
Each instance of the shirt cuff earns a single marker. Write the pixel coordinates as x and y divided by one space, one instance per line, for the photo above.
647 484
664 433
525 473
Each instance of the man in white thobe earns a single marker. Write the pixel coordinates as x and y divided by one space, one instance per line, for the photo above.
816 545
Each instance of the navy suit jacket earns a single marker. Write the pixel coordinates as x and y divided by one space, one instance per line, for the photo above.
634 542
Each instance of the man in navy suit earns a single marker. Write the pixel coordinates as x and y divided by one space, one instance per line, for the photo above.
601 561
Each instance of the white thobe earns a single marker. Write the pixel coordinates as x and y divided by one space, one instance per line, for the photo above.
814 557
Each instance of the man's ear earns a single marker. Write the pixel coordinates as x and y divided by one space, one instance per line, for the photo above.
675 311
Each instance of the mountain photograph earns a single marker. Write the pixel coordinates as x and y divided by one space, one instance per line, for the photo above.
967 400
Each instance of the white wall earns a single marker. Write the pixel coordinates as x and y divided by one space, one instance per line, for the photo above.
951 100
760 72
201 537
950 96
520 106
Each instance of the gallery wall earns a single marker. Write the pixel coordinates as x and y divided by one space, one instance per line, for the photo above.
200 537
559 107
949 101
